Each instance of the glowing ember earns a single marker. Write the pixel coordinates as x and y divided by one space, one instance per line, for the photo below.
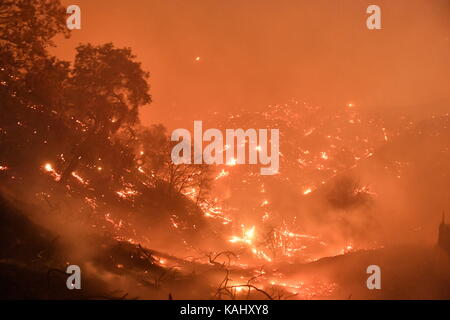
215 211
117 225
79 178
49 168
127 193
232 162
222 174
247 237
347 249
384 134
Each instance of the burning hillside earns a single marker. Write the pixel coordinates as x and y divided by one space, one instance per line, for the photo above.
298 206
314 208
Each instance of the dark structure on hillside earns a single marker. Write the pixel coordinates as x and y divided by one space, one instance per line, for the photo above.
444 235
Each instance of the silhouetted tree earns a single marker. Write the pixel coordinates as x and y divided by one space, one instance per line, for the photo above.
106 89
28 26
30 79
347 193
155 158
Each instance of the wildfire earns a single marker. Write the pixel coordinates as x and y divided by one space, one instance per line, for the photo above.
267 238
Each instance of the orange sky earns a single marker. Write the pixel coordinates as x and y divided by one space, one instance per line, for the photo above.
258 52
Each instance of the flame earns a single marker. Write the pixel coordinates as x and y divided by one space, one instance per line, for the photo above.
222 174
232 162
348 248
127 193
247 237
324 155
79 178
49 168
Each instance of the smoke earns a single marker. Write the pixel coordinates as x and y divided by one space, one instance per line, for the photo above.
255 53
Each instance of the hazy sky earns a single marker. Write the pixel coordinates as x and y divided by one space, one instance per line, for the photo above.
259 52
